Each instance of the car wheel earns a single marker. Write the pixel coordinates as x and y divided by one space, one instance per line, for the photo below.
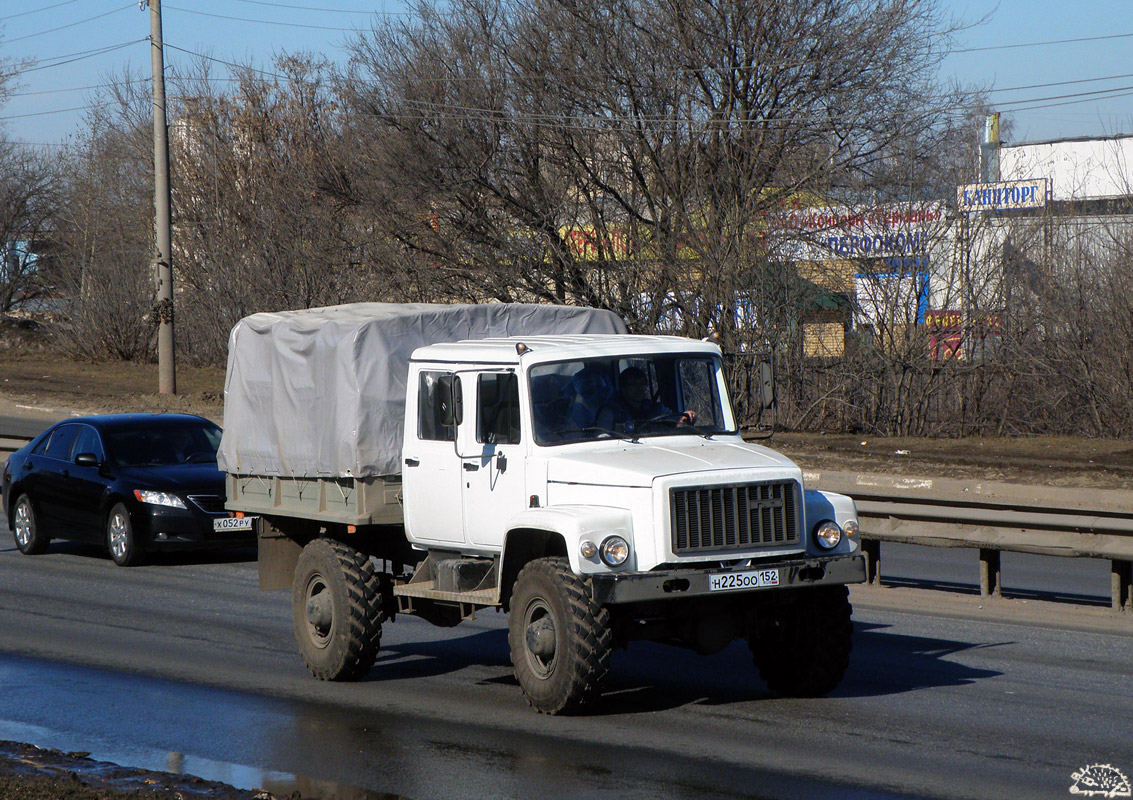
120 539
29 539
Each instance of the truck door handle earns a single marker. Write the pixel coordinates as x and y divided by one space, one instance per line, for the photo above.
412 462
470 467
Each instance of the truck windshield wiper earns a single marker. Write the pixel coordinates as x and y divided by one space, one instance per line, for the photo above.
592 429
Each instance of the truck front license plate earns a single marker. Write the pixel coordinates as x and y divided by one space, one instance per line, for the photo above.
233 523
729 581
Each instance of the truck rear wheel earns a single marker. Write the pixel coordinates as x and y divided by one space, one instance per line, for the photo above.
560 638
336 606
802 648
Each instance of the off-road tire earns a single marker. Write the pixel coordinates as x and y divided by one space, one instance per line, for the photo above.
802 647
121 541
560 638
30 540
336 608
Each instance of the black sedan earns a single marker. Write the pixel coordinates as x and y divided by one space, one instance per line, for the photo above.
133 482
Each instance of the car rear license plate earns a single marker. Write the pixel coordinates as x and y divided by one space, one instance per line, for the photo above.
233 523
732 581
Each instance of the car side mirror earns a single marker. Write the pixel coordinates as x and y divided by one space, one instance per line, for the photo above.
87 460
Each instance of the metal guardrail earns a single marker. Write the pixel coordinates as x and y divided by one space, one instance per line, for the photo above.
9 444
992 517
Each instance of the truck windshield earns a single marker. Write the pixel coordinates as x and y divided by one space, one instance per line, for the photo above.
627 397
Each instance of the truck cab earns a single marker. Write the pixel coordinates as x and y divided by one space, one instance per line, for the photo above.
621 458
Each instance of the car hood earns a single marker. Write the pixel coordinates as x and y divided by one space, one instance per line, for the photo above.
638 463
182 478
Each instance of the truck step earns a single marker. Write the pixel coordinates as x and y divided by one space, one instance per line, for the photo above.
426 590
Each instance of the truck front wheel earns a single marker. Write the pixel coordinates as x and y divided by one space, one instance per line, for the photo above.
802 648
336 606
560 638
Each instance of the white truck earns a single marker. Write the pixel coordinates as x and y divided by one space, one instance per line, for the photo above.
437 460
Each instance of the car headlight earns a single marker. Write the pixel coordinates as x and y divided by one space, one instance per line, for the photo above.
614 551
828 535
158 498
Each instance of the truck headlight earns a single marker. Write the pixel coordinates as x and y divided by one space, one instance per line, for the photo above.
828 535
614 551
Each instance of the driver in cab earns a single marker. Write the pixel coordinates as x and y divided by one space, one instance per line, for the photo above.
633 405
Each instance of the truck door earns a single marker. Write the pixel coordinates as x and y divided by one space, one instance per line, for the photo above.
431 471
492 462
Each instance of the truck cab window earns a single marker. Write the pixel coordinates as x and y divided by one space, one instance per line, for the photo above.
497 408
435 413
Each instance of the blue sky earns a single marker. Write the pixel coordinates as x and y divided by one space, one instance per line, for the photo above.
1004 53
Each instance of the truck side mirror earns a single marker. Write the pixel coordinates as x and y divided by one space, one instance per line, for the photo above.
765 378
451 401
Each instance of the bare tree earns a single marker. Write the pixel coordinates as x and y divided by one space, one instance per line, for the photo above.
28 204
629 155
105 230
255 227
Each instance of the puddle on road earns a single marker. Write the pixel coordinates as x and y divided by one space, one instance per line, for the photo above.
132 721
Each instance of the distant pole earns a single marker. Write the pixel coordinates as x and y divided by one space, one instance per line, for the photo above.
163 256
989 150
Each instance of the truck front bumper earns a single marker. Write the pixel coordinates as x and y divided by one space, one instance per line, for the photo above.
638 587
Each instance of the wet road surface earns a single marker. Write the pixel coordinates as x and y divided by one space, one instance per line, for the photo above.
184 665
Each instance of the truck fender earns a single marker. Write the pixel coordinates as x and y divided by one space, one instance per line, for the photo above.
820 506
560 530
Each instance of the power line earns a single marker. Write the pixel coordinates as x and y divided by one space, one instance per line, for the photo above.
1063 83
37 10
45 113
260 21
69 25
1042 44
314 8
1086 95
1074 102
58 61
231 64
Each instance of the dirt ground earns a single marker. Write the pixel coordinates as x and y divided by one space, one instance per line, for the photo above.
35 380
33 773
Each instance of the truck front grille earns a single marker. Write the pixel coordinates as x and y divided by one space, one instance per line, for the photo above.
726 518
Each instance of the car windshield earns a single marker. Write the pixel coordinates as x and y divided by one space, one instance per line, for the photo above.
190 442
627 397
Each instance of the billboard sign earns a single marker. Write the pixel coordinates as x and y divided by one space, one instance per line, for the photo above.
893 230
1002 195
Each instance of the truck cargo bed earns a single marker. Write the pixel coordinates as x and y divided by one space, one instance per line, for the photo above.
373 500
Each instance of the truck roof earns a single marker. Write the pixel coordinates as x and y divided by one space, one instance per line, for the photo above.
561 347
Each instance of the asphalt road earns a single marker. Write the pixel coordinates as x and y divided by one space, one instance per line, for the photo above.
184 660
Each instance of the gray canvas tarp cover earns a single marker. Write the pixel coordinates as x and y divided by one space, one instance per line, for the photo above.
320 392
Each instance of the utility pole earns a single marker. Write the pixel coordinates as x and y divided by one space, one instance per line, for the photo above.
163 256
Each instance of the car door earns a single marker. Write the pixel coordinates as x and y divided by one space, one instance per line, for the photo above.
88 484
47 480
494 488
431 472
